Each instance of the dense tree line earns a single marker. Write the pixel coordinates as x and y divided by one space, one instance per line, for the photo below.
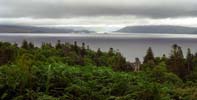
67 71
176 62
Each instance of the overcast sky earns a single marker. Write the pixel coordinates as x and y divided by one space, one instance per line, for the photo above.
98 12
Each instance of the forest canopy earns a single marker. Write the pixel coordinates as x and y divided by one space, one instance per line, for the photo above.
75 72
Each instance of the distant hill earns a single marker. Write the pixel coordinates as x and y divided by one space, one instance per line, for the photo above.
34 29
159 29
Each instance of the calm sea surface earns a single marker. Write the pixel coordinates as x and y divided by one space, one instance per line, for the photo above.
130 45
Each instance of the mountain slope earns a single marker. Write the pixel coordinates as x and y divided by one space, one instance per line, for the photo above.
33 29
159 29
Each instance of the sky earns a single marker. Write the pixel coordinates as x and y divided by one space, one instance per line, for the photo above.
98 13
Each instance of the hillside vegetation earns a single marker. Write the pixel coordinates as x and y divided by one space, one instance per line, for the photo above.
75 72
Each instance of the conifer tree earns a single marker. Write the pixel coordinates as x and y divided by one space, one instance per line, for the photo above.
76 49
189 59
31 45
98 53
110 52
176 61
149 58
97 57
25 44
120 63
58 45
83 50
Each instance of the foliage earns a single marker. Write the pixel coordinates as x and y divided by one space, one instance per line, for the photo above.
73 72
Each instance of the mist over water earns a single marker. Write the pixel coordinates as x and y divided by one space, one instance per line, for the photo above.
130 45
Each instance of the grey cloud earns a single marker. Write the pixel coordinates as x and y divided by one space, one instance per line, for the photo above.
67 8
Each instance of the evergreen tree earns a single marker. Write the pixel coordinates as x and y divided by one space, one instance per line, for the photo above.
76 49
111 52
46 46
97 57
83 50
25 44
164 58
180 52
99 52
176 61
189 59
120 63
7 54
58 45
149 58
31 45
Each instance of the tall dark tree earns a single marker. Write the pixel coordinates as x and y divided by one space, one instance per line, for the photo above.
97 57
176 61
6 55
180 52
111 52
58 45
149 58
83 50
46 46
189 59
120 63
31 45
99 52
76 49
25 44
